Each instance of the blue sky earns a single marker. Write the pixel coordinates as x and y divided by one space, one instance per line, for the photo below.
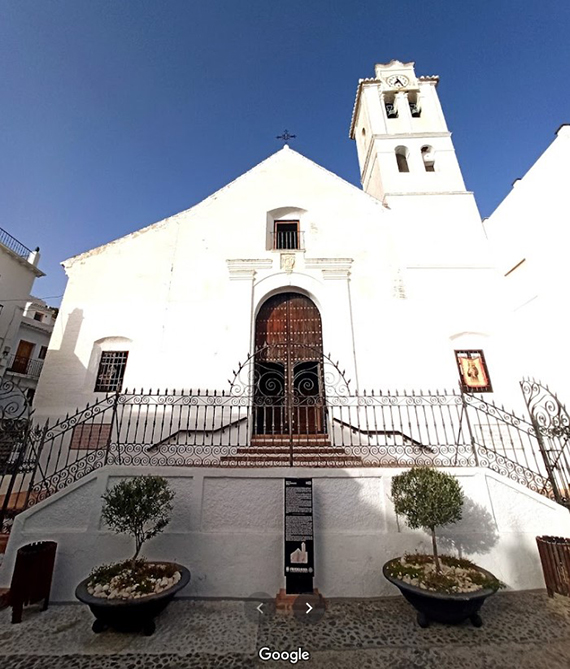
118 113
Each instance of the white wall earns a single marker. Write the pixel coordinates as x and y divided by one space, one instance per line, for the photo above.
186 290
17 276
227 528
531 224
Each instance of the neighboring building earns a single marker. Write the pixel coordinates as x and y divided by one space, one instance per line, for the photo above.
18 270
31 345
530 236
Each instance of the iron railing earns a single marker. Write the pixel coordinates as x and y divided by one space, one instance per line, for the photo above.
216 429
551 423
22 365
13 244
288 240
328 426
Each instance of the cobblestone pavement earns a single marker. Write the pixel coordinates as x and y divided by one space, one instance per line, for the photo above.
524 629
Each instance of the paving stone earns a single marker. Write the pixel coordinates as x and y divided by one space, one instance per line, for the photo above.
523 629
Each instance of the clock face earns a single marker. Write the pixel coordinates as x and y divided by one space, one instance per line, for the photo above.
398 81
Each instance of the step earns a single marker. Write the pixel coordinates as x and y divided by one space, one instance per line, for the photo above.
288 438
17 500
304 461
285 450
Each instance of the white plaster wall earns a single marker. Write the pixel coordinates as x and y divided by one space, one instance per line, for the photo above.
376 149
185 291
227 527
446 177
28 332
16 280
532 224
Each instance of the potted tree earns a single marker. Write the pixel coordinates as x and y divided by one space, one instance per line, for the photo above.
128 595
440 587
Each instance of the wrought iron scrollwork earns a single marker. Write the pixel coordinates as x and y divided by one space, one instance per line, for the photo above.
547 410
552 424
258 376
14 404
302 412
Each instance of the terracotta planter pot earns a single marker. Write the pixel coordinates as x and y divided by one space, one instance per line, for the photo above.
443 608
130 615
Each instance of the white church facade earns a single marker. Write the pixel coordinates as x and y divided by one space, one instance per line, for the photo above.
399 273
292 324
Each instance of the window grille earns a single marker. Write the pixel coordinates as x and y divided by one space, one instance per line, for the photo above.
111 371
286 235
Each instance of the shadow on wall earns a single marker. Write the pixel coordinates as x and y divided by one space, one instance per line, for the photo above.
62 365
475 533
357 531
523 567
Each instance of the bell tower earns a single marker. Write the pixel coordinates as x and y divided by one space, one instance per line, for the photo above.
402 140
407 161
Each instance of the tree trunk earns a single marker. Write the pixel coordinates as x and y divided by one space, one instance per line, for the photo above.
435 555
138 545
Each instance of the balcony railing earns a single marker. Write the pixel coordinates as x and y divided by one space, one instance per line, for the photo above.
13 244
27 366
288 240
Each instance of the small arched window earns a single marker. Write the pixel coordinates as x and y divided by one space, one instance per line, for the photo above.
428 158
108 362
402 159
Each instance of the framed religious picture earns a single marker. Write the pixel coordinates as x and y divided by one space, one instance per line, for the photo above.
473 372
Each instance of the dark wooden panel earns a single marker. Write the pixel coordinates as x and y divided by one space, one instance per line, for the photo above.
288 337
289 325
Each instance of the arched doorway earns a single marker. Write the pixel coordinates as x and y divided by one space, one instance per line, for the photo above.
289 390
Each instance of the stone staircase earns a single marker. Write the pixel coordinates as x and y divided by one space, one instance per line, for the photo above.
298 450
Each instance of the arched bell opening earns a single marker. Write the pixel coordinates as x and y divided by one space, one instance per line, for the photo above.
289 396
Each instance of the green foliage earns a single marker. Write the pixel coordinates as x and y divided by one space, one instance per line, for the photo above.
413 566
427 498
139 507
129 573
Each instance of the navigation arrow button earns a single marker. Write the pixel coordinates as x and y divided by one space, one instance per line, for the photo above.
260 603
309 608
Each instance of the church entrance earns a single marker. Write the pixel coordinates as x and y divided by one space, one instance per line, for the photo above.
289 396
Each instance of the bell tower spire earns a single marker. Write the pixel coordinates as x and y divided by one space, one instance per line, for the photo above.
403 143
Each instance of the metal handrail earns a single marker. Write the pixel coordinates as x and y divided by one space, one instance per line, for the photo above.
13 244
288 240
27 366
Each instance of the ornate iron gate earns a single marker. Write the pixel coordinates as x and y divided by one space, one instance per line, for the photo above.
243 426
289 393
17 456
552 425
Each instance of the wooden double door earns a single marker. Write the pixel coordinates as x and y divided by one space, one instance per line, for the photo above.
289 393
